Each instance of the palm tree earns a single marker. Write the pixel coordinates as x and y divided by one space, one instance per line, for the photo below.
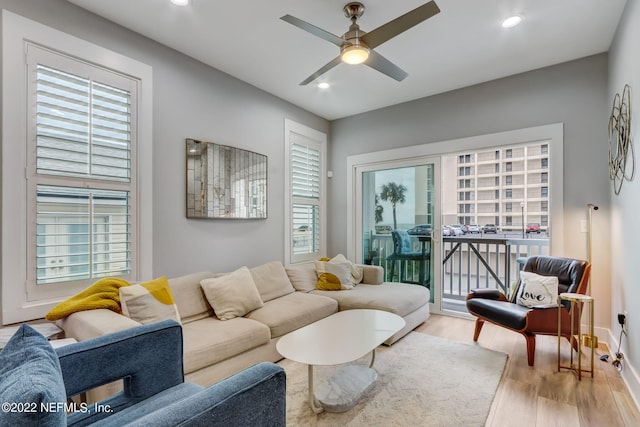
393 193
378 211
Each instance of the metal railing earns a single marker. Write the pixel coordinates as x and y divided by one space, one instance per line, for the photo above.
480 262
469 262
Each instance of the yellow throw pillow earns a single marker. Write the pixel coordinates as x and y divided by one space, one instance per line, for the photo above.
149 302
334 275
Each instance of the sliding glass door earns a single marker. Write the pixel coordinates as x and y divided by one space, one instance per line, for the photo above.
398 220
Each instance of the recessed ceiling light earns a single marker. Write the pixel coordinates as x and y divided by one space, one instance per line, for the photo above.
512 21
324 85
180 2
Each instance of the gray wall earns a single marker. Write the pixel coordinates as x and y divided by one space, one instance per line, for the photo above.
574 93
193 100
624 68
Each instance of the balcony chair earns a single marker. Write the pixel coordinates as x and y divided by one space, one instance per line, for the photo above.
491 305
402 252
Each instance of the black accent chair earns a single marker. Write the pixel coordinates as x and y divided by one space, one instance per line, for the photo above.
402 252
490 305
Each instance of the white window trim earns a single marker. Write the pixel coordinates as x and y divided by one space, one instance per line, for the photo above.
552 133
321 138
15 31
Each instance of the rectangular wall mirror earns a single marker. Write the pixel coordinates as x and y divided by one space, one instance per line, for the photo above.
225 182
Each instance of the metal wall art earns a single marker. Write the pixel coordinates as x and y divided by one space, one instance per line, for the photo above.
622 164
225 182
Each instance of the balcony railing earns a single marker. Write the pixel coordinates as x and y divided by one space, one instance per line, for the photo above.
469 262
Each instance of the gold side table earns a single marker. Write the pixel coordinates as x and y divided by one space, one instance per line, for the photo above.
576 301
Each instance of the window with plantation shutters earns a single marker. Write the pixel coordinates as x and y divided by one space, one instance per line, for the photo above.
306 203
80 175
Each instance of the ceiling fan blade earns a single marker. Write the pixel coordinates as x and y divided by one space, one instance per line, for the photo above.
316 31
382 64
337 60
402 23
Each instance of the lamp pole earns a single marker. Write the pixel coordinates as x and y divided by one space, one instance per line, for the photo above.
522 209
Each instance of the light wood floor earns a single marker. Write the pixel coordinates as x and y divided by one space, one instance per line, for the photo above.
540 396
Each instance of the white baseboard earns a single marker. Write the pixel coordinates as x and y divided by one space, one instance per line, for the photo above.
629 372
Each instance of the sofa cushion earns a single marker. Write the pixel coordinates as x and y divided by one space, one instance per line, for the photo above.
149 302
303 277
271 280
232 295
188 294
211 340
293 311
30 375
398 298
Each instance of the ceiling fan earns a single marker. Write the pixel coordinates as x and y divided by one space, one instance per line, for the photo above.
356 46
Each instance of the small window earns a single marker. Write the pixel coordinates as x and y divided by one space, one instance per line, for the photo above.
508 180
544 163
544 177
544 191
508 166
305 205
544 148
508 193
508 207
508 153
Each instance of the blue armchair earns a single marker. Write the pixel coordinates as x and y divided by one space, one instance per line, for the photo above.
149 361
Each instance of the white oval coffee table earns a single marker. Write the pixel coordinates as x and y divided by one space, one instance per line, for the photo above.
340 338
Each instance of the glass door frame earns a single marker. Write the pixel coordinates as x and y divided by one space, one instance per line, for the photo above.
355 212
397 157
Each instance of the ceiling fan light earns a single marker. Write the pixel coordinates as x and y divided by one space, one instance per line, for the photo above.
511 21
355 54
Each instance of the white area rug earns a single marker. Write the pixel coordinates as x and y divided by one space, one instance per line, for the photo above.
422 381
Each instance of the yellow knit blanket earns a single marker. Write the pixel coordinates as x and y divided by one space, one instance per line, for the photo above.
104 293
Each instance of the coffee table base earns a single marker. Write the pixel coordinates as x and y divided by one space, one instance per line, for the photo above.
344 389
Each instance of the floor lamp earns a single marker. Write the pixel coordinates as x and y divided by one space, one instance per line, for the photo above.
590 208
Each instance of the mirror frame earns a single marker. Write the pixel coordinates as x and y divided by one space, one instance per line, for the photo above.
225 182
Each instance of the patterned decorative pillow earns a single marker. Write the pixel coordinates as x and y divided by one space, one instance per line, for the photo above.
232 295
334 275
537 290
149 302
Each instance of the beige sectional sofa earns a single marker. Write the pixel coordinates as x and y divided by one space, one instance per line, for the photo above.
215 349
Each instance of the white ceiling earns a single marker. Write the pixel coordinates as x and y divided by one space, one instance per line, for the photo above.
462 45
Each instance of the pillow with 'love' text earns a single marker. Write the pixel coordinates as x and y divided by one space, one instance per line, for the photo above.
537 290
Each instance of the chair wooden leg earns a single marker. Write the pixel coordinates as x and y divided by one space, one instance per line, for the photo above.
479 325
531 348
574 343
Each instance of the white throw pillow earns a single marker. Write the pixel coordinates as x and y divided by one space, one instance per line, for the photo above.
149 302
232 295
357 273
537 290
